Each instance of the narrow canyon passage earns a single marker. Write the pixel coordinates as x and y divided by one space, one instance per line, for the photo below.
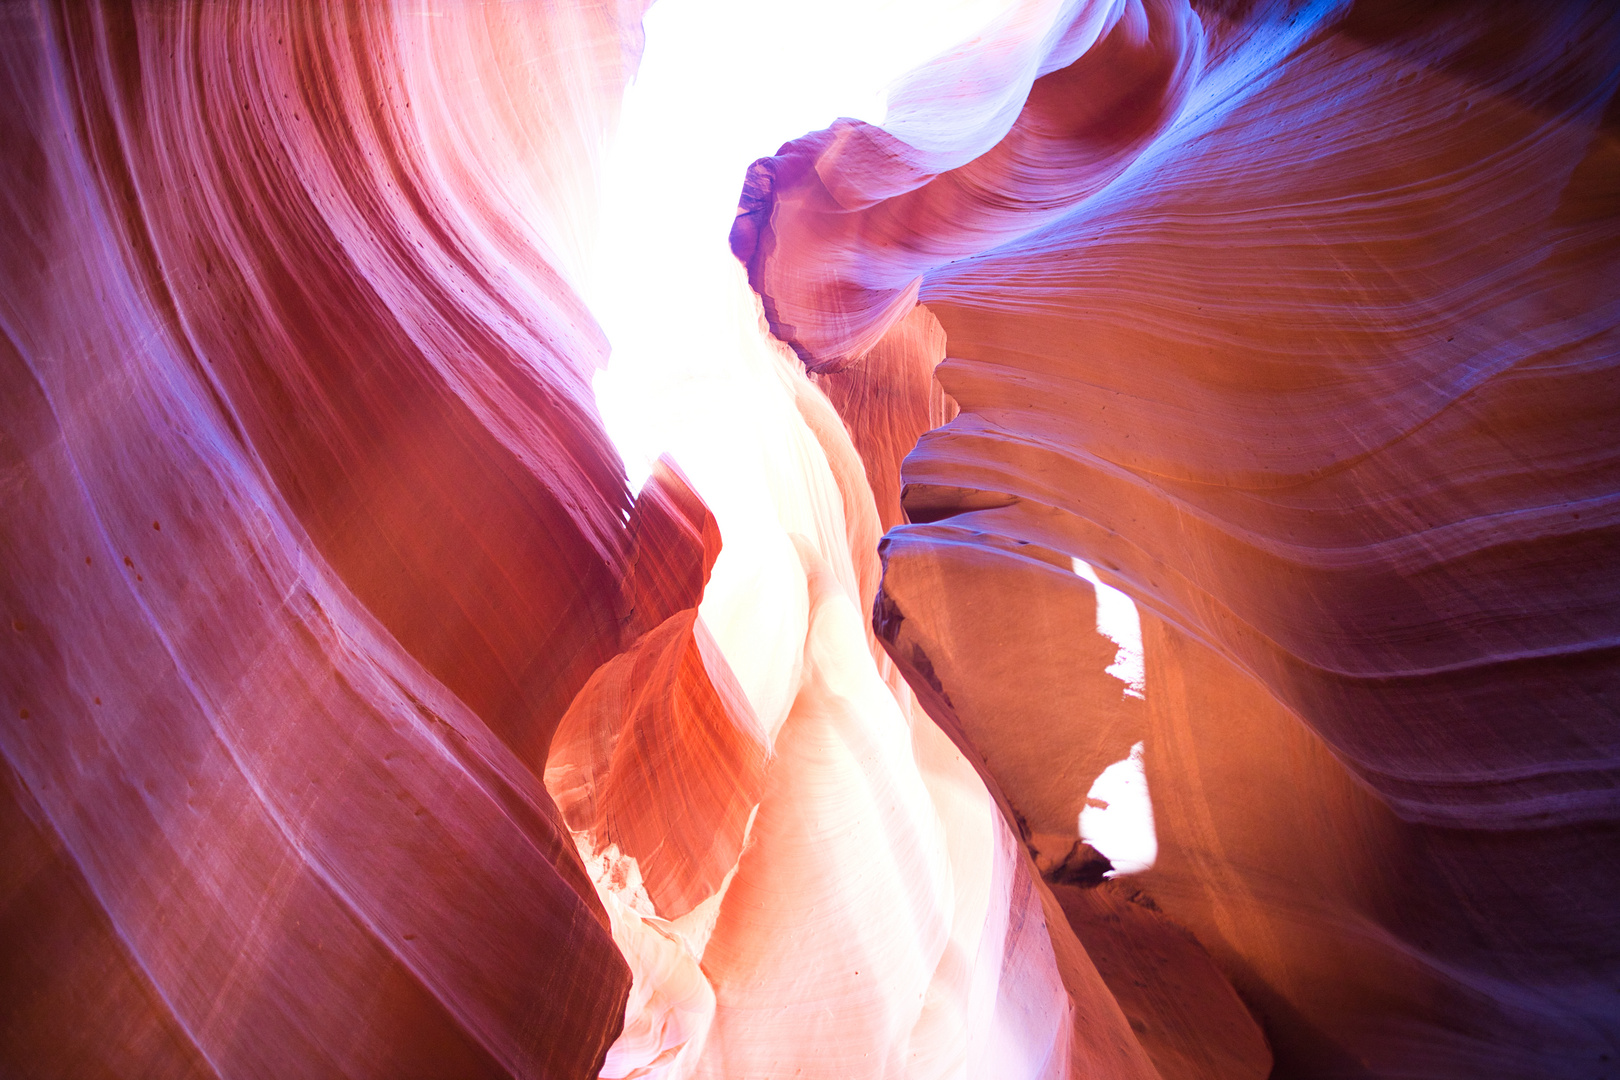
871 830
978 539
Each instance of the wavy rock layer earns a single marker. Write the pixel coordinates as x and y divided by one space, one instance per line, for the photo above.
1307 343
317 555
874 915
311 536
1296 323
660 753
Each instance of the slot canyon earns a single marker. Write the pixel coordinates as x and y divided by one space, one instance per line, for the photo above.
856 540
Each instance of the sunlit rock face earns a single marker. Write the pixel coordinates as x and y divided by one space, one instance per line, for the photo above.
360 722
1180 645
1297 323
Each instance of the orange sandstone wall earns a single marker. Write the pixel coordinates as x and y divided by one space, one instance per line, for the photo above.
1299 323
1296 321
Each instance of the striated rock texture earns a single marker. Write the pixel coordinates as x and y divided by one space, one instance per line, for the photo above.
358 722
311 535
1298 323
806 877
660 753
1256 427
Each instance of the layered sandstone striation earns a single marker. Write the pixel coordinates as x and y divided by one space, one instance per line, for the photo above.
1306 342
311 536
360 721
1222 389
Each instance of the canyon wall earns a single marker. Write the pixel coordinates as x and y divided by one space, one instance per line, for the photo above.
1227 388
360 721
1298 324
311 537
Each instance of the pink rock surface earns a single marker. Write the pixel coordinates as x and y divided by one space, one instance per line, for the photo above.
888 399
1184 1012
311 535
660 753
867 932
1307 344
358 722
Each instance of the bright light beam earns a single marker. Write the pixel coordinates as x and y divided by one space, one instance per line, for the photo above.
721 83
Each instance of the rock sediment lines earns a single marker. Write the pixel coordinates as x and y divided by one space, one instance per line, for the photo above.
1310 349
1228 389
311 536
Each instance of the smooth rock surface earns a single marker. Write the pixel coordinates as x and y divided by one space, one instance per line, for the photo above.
1307 344
311 534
